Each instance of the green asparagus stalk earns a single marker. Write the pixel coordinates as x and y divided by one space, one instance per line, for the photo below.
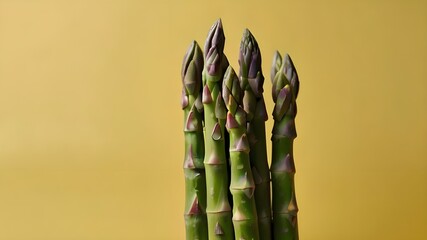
242 185
195 181
285 91
218 208
251 81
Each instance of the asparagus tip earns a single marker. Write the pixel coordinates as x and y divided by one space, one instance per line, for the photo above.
219 22
187 58
291 73
246 32
192 66
214 47
277 63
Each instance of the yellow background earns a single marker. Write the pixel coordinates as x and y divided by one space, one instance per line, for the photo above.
91 143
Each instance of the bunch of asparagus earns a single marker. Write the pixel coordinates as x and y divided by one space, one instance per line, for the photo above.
227 177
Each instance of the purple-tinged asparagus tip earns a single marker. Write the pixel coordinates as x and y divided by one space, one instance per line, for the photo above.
291 74
215 37
187 58
277 63
192 67
250 55
250 64
214 47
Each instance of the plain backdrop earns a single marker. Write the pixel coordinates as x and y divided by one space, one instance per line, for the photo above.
91 142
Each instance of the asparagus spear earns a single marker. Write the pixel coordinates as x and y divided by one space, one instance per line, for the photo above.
218 208
251 81
195 182
285 91
242 185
